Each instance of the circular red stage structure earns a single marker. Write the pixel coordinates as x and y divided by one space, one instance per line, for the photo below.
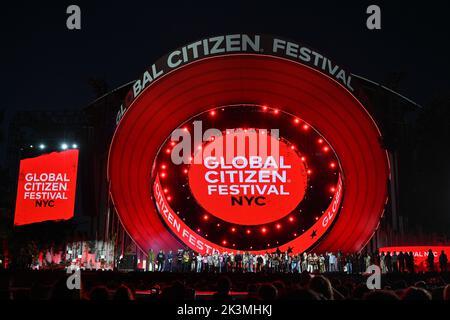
331 192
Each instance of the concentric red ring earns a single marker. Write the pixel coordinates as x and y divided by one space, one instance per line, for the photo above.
234 79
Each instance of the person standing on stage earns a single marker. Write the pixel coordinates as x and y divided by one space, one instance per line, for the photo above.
430 260
382 263
169 261
180 260
333 267
327 262
160 258
395 262
199 261
232 266
186 260
304 262
238 260
388 262
443 260
221 262
321 263
151 260
226 258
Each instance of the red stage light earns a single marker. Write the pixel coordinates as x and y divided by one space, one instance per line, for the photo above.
166 190
213 113
218 225
224 242
205 217
263 230
167 150
248 231
264 108
292 147
303 159
326 149
333 189
291 219
305 127
163 167
172 143
163 175
297 121
278 226
333 165
309 171
233 229
198 230
185 170
320 141
276 111
169 198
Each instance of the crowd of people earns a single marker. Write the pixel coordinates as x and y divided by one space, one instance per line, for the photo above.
286 262
233 286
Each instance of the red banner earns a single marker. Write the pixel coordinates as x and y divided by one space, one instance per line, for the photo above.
46 188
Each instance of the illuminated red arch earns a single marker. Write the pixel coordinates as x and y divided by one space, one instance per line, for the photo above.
264 80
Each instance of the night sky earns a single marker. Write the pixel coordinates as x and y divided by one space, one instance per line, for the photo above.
46 66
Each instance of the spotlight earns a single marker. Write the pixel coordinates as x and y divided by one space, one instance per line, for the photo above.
74 146
64 146
31 146
42 146
212 113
